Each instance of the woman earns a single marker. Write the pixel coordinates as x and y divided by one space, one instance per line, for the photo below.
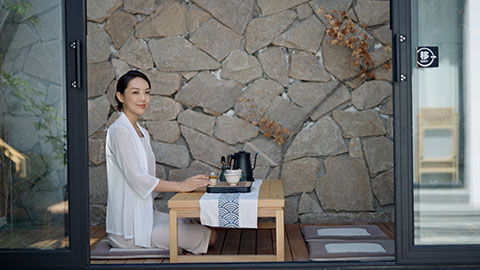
132 221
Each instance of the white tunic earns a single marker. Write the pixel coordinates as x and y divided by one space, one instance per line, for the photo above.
131 181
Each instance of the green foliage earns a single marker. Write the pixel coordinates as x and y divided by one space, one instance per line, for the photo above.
32 101
21 8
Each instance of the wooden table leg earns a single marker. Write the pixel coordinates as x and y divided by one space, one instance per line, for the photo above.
280 235
173 236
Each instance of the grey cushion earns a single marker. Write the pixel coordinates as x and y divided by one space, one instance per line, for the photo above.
104 251
348 232
351 250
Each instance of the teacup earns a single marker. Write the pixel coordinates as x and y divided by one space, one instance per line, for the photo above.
233 176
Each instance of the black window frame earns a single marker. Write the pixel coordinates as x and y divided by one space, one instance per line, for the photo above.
407 252
77 255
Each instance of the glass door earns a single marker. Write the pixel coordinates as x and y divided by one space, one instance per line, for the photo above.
41 95
437 141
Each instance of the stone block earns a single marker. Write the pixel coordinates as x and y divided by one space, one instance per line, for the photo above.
234 130
306 36
359 124
174 155
99 11
111 92
232 13
372 12
45 61
98 110
340 96
309 94
162 108
160 172
96 147
145 7
260 172
196 17
308 204
300 175
355 148
257 99
322 7
383 188
306 67
136 54
196 167
178 54
100 75
168 20
120 67
188 75
164 83
269 7
98 184
345 186
214 96
378 154
241 67
338 61
197 120
286 114
46 22
119 27
274 64
304 11
291 209
371 94
269 153
383 34
216 39
322 139
205 148
98 214
23 35
262 31
164 131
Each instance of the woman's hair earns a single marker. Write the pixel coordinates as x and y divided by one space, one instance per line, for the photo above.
125 80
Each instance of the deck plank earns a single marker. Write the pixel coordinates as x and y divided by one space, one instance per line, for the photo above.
232 242
295 237
264 241
288 252
153 260
216 249
248 242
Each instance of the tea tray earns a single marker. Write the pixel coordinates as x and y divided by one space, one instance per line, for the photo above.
224 187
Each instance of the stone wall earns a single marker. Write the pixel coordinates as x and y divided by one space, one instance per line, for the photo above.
258 75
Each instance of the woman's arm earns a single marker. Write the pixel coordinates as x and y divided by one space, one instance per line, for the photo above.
186 185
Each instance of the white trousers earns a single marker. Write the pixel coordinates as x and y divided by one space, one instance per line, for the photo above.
191 237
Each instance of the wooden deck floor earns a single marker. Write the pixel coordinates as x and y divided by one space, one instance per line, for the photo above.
243 241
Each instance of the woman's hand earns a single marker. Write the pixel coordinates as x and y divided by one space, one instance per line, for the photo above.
194 182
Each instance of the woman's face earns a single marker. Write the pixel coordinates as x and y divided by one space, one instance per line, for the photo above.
136 97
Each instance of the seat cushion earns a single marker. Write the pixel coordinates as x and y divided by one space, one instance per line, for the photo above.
348 232
351 250
104 251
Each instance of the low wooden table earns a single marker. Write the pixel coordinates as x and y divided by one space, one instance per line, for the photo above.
270 204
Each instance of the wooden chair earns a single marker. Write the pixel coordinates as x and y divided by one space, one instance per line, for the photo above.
437 119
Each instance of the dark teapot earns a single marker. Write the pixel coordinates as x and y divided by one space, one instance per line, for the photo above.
241 160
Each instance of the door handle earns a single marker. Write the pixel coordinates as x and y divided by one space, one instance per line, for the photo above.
75 83
397 73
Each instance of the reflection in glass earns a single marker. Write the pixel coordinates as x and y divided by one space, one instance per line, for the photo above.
445 134
33 179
